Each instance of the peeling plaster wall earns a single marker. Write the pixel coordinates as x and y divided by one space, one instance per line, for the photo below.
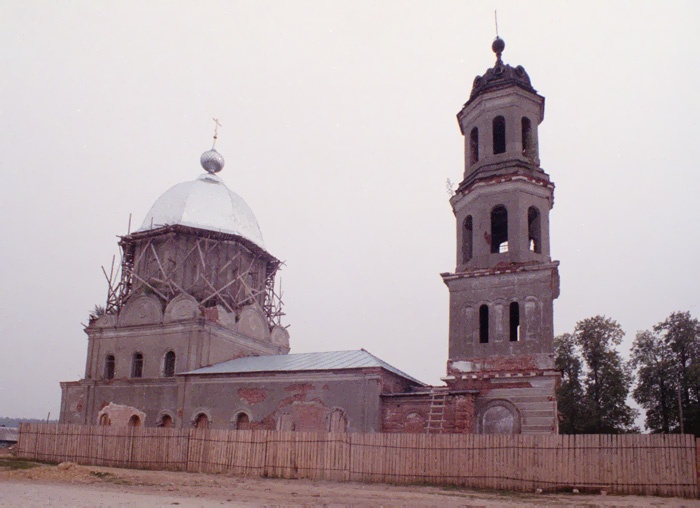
302 401
532 395
296 401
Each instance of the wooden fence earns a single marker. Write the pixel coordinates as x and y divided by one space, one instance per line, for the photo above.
628 464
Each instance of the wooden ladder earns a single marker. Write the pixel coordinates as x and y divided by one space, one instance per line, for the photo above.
436 415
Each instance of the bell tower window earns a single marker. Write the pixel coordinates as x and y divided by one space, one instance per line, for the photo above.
474 146
499 135
499 229
528 148
484 324
467 246
534 230
514 322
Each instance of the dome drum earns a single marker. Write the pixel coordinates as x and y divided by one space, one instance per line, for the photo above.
201 239
214 268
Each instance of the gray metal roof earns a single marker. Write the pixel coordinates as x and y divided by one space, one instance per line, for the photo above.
9 434
331 360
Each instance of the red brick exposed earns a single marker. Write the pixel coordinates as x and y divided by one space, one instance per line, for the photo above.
299 387
252 395
409 414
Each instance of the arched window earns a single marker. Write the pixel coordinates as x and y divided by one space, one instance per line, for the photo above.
109 367
526 128
474 146
137 365
241 422
484 324
514 322
135 421
499 135
499 417
534 230
169 364
467 246
104 420
201 421
166 421
499 229
337 421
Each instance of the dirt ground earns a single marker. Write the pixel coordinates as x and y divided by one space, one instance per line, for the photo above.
67 484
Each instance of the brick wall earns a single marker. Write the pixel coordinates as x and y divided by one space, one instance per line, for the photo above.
409 413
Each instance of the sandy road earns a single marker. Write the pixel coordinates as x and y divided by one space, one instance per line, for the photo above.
88 486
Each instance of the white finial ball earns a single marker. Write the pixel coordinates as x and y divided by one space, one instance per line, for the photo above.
212 161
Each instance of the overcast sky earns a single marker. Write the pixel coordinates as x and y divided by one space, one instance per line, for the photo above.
339 131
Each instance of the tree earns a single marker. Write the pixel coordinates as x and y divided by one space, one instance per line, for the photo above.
668 363
570 392
592 397
657 382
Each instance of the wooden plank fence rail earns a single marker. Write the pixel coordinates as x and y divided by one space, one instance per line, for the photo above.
656 464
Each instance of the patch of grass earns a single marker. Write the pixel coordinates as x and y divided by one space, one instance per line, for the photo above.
110 477
17 464
101 474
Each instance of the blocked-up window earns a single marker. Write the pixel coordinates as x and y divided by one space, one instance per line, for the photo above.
166 421
499 135
109 367
338 422
499 229
201 421
499 418
484 324
468 244
241 422
285 422
528 143
169 364
534 229
474 146
137 365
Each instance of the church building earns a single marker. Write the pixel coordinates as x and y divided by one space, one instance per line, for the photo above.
191 334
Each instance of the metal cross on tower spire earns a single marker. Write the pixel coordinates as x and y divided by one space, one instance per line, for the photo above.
217 124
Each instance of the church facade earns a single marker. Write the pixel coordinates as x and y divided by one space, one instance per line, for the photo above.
192 336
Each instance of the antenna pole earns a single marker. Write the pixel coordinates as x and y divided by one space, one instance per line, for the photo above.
495 16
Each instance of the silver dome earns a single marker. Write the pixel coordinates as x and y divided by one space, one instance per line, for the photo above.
204 203
212 161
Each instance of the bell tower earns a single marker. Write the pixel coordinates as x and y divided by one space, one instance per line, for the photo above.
504 283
